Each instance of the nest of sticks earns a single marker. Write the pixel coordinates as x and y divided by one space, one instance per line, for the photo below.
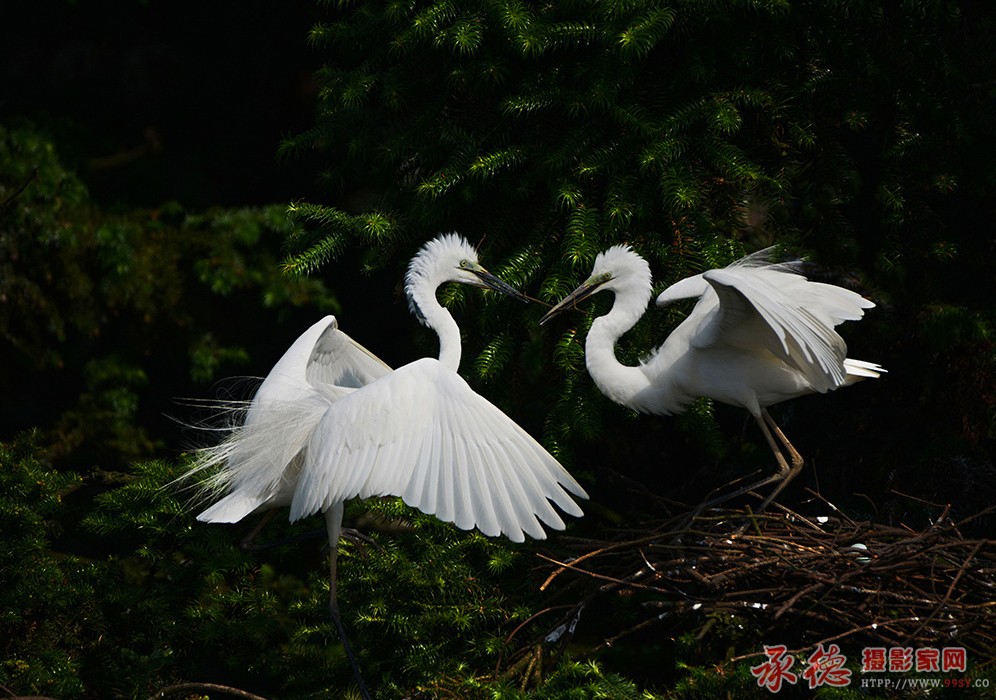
818 580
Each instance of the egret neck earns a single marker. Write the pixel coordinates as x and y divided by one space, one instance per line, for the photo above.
617 381
423 301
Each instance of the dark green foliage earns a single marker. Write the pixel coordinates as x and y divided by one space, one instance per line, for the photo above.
572 680
116 305
432 589
46 602
428 606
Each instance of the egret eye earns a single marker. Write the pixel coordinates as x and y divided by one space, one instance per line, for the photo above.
464 264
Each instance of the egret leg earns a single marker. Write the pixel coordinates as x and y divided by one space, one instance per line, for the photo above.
786 472
734 494
793 453
333 521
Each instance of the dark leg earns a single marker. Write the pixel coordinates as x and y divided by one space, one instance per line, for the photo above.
333 521
734 494
786 472
783 476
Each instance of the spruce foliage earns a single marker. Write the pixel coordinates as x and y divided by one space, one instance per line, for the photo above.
131 310
172 600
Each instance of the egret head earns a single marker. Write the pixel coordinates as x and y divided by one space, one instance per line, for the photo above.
619 269
449 258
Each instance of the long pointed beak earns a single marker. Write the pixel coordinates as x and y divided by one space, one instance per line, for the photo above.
491 282
585 290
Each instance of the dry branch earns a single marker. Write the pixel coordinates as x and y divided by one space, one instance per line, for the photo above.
826 578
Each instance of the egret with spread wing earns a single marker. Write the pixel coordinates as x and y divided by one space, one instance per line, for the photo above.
760 333
331 422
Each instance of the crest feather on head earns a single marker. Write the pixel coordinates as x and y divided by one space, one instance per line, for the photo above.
433 261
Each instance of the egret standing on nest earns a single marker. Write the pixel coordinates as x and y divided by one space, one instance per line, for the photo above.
331 422
760 333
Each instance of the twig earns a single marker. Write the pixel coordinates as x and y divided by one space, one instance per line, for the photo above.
947 595
533 617
589 555
792 567
602 577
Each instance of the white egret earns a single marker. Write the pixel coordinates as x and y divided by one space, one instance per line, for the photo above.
760 333
331 422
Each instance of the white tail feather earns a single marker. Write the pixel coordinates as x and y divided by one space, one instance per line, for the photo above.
859 369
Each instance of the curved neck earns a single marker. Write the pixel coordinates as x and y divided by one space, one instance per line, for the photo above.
621 383
438 318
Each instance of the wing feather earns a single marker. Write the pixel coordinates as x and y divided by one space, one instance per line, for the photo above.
524 506
497 488
413 468
453 454
466 437
337 359
464 487
445 473
430 488
369 453
486 513
386 457
259 461
687 288
516 490
793 317
542 484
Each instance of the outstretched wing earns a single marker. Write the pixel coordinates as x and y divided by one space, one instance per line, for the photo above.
259 461
423 434
774 308
687 288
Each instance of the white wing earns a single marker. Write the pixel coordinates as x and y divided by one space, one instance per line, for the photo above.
288 378
260 460
776 309
423 434
695 286
338 360
687 288
322 355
